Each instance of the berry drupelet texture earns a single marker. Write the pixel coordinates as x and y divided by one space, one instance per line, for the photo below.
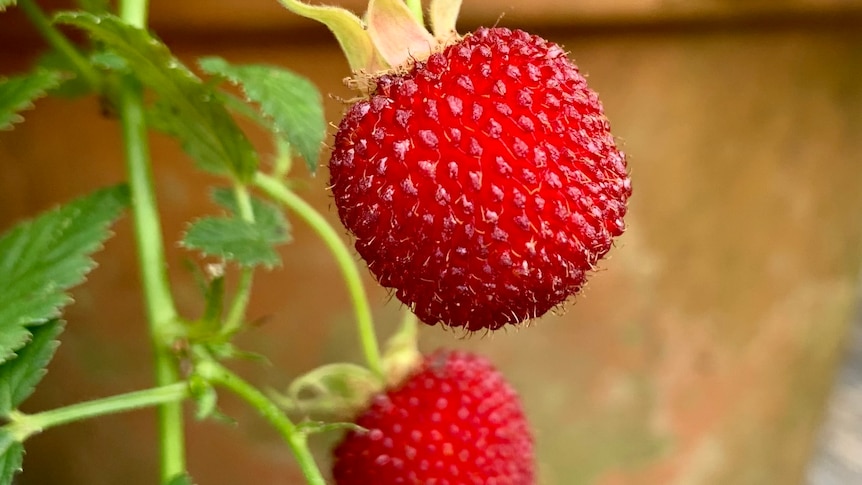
482 184
456 421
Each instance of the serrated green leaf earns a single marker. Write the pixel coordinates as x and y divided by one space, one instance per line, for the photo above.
18 93
234 239
11 456
293 102
266 215
40 259
187 109
72 85
19 376
231 238
4 4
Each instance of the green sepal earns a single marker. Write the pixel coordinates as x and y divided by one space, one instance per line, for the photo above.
401 354
337 390
396 33
315 427
18 93
444 15
348 29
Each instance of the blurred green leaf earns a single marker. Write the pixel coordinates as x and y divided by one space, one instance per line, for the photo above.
187 109
19 376
4 4
40 259
11 456
292 102
18 93
72 85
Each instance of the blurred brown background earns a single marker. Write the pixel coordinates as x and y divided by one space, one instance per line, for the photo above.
702 353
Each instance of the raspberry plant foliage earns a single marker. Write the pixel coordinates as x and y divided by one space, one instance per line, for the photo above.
573 209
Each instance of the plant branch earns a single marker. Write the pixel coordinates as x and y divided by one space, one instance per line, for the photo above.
237 310
318 223
161 313
59 42
134 12
296 440
22 426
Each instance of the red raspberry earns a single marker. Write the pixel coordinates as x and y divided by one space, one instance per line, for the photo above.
484 183
455 421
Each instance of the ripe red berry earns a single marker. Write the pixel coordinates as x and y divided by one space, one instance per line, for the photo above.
455 421
482 184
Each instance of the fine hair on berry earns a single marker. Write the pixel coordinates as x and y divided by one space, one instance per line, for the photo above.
482 184
455 421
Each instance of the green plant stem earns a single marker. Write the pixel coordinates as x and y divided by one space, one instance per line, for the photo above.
59 42
161 313
415 6
236 313
365 322
22 426
134 12
296 440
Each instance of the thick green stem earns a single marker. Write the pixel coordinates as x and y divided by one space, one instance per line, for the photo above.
365 322
236 313
59 42
22 426
134 12
161 313
296 440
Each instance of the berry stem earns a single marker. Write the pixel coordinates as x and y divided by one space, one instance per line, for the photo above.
59 42
22 426
296 440
236 313
161 312
318 223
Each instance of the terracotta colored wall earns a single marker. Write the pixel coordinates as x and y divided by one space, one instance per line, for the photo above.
700 354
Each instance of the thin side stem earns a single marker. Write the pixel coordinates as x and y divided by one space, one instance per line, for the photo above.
59 42
238 306
295 439
161 312
22 426
364 319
